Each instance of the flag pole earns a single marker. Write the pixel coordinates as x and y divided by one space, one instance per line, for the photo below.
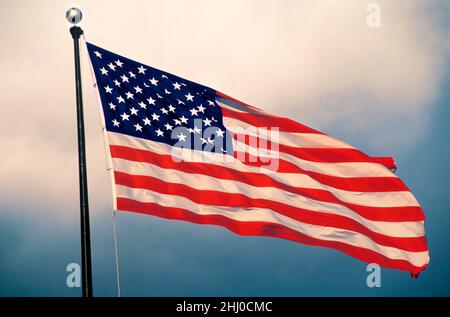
74 16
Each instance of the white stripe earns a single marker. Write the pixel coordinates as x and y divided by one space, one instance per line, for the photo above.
305 140
259 214
345 169
381 199
378 199
204 182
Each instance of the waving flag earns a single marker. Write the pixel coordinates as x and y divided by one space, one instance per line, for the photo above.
180 150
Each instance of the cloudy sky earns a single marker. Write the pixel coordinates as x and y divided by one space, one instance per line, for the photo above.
385 90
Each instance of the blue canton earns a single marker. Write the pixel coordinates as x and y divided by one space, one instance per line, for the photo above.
141 101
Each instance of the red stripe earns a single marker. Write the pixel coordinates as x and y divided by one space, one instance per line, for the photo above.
358 184
389 162
261 180
267 229
263 120
217 198
322 155
371 213
326 154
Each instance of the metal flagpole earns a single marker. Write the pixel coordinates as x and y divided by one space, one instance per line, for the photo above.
74 16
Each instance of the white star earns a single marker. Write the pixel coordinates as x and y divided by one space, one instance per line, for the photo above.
112 66
171 108
134 111
98 54
159 132
207 122
219 133
142 70
151 101
159 96
164 76
201 109
124 78
168 126
129 95
138 90
177 121
203 141
197 130
146 121
211 103
120 99
112 106
125 116
119 63
184 119
194 112
155 117
108 90
116 82
138 127
116 123
190 130
210 141
181 137
163 110
180 102
104 71
167 92
132 75
153 81
176 86
143 105
189 97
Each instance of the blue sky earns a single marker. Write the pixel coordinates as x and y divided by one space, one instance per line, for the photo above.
387 93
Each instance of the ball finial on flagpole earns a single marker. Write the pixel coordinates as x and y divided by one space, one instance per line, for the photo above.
74 15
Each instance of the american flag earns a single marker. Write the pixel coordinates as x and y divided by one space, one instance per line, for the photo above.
180 150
